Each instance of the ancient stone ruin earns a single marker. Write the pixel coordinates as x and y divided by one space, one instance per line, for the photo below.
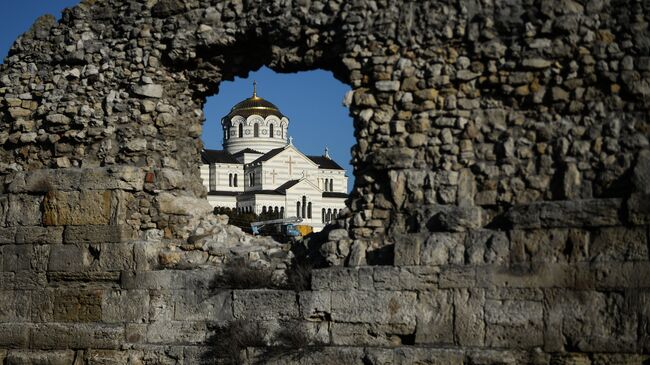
500 213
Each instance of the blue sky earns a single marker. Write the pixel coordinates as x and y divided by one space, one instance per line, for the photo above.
311 100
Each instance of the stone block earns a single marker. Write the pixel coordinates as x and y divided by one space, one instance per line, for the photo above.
27 280
7 305
7 280
45 180
120 306
315 305
456 219
382 307
163 332
263 304
161 305
39 235
52 336
643 310
638 209
434 313
419 277
135 332
364 334
335 278
182 205
457 277
514 324
112 257
83 278
7 235
594 321
619 244
443 248
571 213
14 335
77 208
32 357
4 209
24 210
163 279
127 178
203 305
386 278
483 246
17 257
97 234
68 258
469 321
408 247
78 305
407 355
42 305
543 275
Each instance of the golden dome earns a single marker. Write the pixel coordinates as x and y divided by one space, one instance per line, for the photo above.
254 105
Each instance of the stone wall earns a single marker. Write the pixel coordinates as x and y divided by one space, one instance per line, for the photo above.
500 212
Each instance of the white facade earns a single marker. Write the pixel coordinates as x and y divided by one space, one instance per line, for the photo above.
261 170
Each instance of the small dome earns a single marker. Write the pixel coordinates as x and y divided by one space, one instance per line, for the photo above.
254 105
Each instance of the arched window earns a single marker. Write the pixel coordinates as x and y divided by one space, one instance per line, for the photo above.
263 210
322 215
304 206
298 209
331 185
271 130
325 183
334 214
309 210
229 179
256 130
329 215
234 180
241 130
281 212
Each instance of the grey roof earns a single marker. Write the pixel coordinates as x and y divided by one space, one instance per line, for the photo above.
331 194
325 163
247 150
268 155
287 185
223 193
217 156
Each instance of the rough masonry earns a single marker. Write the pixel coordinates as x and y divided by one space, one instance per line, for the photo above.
500 212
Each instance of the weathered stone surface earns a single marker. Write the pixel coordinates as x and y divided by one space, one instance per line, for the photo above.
150 91
97 234
619 244
383 307
435 318
203 305
515 323
580 213
262 304
77 208
24 210
76 335
23 357
120 306
469 320
39 235
443 249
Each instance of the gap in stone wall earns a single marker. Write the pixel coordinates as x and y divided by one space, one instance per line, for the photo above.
312 100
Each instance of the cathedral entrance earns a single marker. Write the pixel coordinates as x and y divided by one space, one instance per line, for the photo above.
278 146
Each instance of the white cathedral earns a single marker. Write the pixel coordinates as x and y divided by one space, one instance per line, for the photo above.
260 170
